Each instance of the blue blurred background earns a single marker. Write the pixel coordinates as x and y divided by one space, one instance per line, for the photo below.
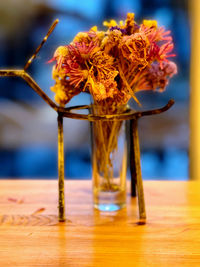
28 127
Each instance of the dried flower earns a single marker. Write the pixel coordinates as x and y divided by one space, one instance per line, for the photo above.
157 77
113 65
134 48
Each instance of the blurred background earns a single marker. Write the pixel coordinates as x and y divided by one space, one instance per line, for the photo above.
28 127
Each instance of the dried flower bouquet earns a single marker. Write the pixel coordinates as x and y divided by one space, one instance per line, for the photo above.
113 65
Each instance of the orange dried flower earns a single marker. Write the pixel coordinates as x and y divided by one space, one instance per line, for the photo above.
134 48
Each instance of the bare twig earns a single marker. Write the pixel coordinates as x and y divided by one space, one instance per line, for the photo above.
41 44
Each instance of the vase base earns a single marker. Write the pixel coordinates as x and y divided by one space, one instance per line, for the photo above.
109 207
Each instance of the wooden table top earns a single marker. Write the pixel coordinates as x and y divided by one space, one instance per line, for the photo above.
30 234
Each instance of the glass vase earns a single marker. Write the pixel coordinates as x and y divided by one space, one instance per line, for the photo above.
109 164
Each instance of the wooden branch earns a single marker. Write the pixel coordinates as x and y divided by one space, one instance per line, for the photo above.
156 111
136 175
41 44
61 173
31 82
133 165
66 112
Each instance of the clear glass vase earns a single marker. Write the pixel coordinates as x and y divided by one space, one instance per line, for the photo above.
109 164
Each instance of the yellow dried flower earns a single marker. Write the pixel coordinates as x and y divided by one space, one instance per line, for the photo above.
57 74
81 37
104 42
100 35
130 17
94 29
61 51
64 92
121 22
60 97
110 23
150 23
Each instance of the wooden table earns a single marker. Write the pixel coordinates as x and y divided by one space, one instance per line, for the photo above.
30 234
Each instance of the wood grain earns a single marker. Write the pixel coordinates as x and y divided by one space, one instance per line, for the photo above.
30 234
